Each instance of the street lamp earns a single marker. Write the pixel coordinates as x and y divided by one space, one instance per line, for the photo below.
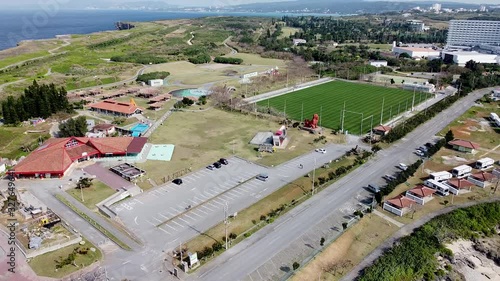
226 207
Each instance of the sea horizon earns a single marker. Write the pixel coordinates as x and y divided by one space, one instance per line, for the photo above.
38 24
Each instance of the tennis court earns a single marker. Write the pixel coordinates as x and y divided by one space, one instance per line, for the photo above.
161 152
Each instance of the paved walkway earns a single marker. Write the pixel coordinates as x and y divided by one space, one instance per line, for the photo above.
105 224
285 91
404 231
389 219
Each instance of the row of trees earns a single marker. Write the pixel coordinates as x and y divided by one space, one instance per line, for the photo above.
401 178
140 58
152 75
200 59
414 257
228 60
37 101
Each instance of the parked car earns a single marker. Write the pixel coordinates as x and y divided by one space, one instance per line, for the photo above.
177 181
389 177
223 161
420 153
320 150
402 166
217 165
429 145
210 167
423 148
374 188
262 177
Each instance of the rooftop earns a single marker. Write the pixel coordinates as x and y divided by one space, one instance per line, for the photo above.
460 183
422 191
464 143
483 176
115 106
401 201
382 128
416 49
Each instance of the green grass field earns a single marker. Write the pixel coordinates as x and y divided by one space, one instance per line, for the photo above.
327 100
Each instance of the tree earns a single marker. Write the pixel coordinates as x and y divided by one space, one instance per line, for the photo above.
322 241
376 148
344 225
392 81
73 127
449 136
84 183
404 56
295 265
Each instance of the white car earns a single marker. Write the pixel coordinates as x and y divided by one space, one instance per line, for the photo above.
402 166
420 153
320 150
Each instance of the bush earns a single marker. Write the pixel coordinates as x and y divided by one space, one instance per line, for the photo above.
344 225
152 75
228 60
262 218
232 235
217 246
247 234
295 265
139 58
200 59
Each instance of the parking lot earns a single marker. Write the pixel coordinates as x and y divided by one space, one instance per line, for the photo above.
201 193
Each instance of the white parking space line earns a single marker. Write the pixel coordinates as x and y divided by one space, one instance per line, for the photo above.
195 176
211 205
157 220
151 223
196 214
237 192
170 227
194 202
164 231
218 203
203 196
172 215
163 216
185 221
186 215
242 189
226 197
174 209
178 224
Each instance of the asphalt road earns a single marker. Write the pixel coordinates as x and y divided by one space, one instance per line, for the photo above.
247 256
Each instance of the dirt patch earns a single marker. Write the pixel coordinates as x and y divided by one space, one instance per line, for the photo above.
474 265
453 160
176 33
215 66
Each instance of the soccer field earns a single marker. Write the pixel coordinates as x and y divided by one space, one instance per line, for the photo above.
327 100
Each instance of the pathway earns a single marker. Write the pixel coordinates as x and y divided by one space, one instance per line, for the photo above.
404 231
189 41
387 218
233 50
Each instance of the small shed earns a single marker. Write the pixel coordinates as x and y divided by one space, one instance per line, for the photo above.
382 130
421 194
399 205
459 186
481 179
464 146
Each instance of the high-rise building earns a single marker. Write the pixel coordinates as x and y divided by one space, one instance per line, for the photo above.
473 33
436 7
482 8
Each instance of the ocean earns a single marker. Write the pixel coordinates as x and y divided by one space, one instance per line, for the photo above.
18 25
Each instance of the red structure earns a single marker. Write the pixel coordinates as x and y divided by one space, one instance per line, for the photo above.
313 124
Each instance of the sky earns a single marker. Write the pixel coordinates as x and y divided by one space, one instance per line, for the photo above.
18 3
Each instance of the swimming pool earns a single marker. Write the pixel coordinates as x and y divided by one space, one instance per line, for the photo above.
190 93
138 129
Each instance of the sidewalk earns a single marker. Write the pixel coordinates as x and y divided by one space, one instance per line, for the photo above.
391 220
125 239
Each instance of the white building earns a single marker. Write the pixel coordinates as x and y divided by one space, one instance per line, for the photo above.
436 7
416 52
417 25
462 57
427 88
495 95
155 82
297 42
378 63
473 33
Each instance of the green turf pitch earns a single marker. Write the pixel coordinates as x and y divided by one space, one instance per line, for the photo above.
328 100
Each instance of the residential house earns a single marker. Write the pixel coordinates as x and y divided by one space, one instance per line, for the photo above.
481 179
459 186
297 42
464 146
420 194
399 205
3 165
106 129
378 63
125 109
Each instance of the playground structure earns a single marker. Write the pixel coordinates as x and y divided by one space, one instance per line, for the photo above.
312 125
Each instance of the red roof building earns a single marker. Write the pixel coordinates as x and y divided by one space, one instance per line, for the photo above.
382 130
54 157
126 109
420 194
399 205
481 179
464 146
458 186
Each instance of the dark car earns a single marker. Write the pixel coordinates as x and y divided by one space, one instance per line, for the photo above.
177 181
429 145
223 161
374 188
217 165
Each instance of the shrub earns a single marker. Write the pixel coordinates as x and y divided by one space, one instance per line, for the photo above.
344 225
295 265
262 218
217 246
152 75
228 60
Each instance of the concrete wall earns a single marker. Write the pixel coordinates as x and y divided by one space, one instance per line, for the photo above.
393 210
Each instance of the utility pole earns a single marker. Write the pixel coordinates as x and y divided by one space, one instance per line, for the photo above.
413 101
320 112
371 130
302 113
226 223
343 117
180 250
382 112
314 175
